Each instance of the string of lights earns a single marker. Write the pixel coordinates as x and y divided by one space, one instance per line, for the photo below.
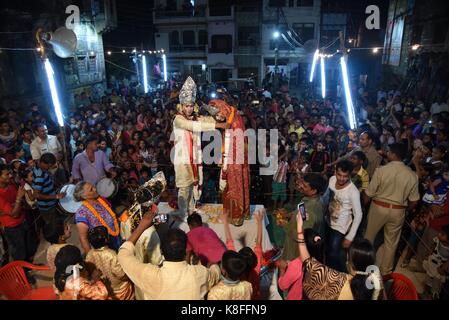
135 51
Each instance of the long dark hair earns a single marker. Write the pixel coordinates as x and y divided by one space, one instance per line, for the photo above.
361 256
68 256
315 244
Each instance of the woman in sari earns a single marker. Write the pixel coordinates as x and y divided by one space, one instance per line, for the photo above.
94 212
235 175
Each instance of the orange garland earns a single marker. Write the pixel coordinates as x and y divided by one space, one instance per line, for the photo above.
98 216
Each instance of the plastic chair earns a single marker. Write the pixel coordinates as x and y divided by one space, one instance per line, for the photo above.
14 284
401 287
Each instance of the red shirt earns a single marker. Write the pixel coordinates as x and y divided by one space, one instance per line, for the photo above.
443 220
205 243
291 281
7 201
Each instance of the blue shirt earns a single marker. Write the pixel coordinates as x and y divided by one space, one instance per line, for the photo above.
27 150
43 183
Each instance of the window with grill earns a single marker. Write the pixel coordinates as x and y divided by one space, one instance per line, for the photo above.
202 37
188 38
248 36
220 8
221 43
174 38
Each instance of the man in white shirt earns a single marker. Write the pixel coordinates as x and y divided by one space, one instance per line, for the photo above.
345 215
44 143
175 279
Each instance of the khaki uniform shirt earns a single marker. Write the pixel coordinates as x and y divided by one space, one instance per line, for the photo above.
394 183
172 281
181 159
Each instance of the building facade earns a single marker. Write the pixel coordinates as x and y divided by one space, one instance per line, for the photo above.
23 76
198 40
298 24
416 48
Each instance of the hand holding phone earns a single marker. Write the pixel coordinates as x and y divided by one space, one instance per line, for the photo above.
302 210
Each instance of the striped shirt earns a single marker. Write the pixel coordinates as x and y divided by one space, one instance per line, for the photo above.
43 183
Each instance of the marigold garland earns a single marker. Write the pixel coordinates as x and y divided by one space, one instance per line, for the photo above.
98 216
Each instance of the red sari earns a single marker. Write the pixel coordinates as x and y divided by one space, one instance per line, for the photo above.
236 194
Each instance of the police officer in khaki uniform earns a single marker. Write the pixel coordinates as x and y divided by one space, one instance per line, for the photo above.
393 189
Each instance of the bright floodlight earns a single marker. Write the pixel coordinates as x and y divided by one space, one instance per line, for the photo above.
145 74
415 47
164 60
315 59
276 34
213 95
349 104
375 50
54 92
323 79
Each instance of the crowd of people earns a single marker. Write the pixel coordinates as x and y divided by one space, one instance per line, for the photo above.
385 181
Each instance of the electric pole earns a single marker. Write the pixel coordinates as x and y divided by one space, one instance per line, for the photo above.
342 45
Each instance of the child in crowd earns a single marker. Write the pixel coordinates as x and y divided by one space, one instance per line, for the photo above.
32 211
87 286
105 260
438 155
436 274
438 188
233 266
56 233
418 226
79 147
144 176
359 175
297 168
319 159
254 257
279 185
331 145
17 167
209 194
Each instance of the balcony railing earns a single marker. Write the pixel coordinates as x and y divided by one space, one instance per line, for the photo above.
248 43
220 50
187 48
200 12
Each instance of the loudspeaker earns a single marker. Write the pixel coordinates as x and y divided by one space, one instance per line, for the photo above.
310 46
63 41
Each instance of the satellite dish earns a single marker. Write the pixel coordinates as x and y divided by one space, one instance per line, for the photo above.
310 46
63 41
